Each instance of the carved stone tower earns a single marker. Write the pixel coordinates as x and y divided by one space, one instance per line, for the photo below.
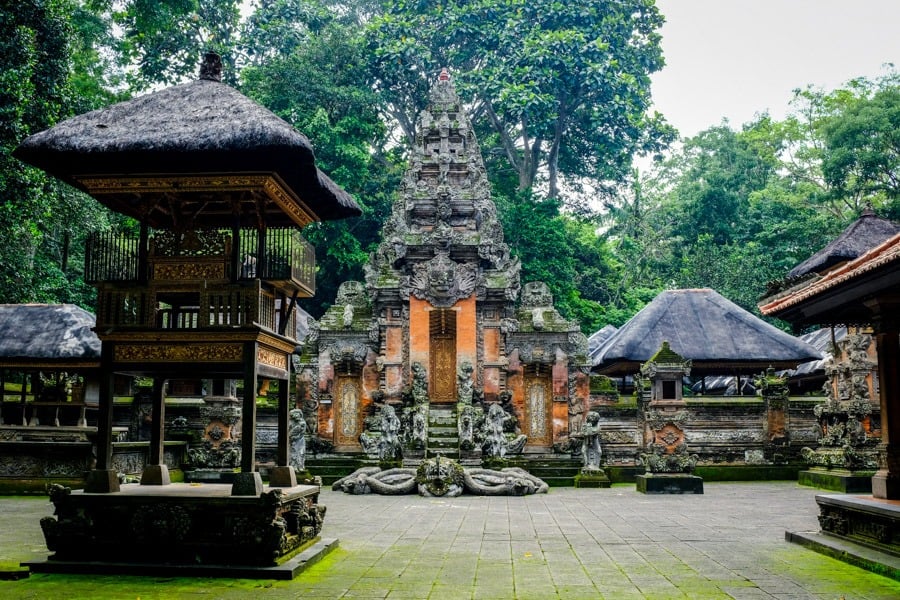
439 301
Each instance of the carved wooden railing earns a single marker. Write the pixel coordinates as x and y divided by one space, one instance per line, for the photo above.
222 306
202 255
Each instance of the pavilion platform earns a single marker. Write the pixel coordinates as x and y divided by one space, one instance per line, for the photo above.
185 530
861 530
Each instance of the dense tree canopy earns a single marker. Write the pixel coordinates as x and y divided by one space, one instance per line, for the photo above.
559 94
563 86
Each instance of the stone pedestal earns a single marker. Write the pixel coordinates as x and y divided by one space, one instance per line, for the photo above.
282 477
837 480
178 526
247 484
669 483
155 475
592 478
102 481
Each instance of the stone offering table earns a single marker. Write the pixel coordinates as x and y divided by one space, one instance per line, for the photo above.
185 529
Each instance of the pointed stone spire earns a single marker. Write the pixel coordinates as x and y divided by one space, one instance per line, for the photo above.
443 223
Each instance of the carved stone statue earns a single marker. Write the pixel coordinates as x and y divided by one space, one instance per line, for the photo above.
590 441
297 438
464 385
496 442
389 444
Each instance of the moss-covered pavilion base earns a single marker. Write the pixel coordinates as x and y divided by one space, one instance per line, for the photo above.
185 529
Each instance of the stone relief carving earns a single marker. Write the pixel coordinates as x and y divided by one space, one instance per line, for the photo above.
442 281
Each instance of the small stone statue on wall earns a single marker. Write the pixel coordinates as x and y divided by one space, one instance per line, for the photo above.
590 441
297 438
389 444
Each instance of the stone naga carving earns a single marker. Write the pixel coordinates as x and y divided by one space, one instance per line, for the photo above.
441 477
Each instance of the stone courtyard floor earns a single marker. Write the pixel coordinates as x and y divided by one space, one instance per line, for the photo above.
607 543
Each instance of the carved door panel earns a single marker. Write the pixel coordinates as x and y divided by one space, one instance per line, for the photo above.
347 413
442 352
443 368
538 409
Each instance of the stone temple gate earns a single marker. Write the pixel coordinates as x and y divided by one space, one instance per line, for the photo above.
442 320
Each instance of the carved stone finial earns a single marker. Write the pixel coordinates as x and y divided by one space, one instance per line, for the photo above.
211 67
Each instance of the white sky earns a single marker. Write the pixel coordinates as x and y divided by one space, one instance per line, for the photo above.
736 58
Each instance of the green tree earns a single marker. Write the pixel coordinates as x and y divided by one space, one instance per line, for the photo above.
312 75
564 87
164 39
45 53
861 158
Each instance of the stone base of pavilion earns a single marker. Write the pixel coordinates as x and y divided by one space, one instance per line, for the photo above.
185 530
860 530
837 480
669 483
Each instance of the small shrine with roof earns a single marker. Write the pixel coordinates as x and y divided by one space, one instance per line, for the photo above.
442 329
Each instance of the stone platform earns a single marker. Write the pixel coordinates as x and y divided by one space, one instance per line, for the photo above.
182 528
837 480
669 483
873 522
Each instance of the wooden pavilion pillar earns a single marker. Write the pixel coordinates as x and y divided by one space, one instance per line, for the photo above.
283 475
103 478
886 481
155 471
248 482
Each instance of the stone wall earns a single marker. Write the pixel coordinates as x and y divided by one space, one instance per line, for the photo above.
721 431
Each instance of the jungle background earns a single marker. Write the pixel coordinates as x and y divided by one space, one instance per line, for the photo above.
559 94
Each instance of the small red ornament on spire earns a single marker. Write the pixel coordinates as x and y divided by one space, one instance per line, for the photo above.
445 75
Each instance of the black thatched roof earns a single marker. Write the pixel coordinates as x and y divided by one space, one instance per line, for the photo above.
862 235
47 335
595 341
700 324
199 127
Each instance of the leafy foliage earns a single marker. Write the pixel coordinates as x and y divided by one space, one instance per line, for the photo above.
558 93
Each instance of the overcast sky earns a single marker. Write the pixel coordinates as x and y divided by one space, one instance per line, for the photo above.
735 58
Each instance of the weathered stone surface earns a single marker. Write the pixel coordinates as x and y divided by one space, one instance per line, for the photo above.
181 523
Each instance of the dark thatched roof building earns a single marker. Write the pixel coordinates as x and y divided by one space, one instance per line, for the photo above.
863 234
47 336
717 335
200 127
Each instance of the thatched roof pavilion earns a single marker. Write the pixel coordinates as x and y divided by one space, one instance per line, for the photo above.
863 234
203 129
717 335
47 336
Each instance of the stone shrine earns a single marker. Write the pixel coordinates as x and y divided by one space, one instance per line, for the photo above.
442 333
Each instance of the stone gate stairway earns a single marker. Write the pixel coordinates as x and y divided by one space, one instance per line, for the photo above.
443 435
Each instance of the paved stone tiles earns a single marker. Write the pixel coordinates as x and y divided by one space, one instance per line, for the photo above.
590 543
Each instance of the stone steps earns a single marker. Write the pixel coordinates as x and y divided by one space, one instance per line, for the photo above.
443 436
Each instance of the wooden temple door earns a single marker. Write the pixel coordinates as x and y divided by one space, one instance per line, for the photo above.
538 409
348 411
442 352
